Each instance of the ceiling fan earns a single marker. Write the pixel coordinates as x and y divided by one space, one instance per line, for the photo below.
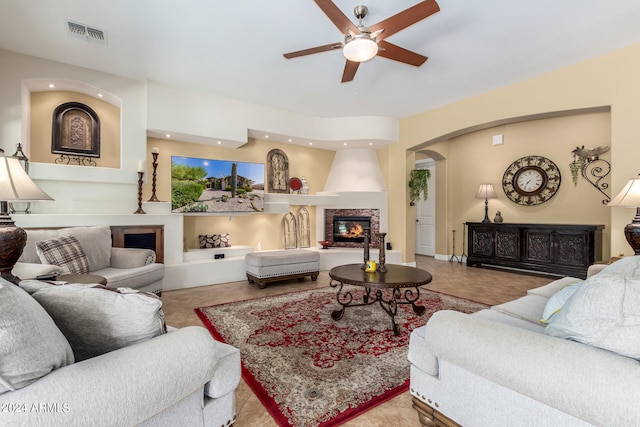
363 43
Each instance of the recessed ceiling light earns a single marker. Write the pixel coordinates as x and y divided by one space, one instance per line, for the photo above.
100 95
290 140
311 143
51 85
345 144
371 143
168 135
266 136
219 142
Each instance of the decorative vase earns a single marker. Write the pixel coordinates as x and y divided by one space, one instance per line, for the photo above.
498 218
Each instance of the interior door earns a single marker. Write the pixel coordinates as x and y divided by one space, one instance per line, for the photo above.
426 214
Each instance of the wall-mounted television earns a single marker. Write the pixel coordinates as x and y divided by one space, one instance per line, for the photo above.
216 186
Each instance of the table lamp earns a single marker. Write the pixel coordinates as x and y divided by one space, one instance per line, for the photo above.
486 192
629 197
15 186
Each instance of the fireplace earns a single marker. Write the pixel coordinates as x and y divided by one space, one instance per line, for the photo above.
350 228
363 217
139 236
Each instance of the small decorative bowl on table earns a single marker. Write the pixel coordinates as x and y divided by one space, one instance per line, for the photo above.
325 243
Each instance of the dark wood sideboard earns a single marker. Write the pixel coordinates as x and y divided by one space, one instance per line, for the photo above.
563 249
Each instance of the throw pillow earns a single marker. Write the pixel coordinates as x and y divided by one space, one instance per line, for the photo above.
214 240
32 345
64 252
558 300
603 312
97 319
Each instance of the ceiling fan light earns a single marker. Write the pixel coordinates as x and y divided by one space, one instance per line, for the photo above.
360 49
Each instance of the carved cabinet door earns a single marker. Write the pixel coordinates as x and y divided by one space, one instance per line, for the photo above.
572 248
538 246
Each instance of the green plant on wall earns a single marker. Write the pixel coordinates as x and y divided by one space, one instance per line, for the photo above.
577 164
419 185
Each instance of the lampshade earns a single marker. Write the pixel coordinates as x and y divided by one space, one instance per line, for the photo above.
629 196
486 191
360 48
15 184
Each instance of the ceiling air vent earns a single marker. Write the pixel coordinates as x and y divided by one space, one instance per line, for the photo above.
84 32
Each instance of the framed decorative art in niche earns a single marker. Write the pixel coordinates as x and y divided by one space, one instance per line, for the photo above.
304 230
290 231
76 130
277 172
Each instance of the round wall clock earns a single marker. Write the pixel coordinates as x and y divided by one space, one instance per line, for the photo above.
531 180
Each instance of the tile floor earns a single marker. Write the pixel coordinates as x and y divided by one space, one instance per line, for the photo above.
489 286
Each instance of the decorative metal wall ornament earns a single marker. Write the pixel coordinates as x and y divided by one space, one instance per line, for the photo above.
277 172
290 231
593 169
76 133
79 160
304 229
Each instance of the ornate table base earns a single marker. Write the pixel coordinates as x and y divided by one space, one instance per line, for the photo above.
402 280
345 299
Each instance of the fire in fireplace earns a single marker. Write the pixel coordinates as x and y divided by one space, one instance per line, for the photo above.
350 228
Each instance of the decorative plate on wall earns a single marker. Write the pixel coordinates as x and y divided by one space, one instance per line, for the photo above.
531 180
295 184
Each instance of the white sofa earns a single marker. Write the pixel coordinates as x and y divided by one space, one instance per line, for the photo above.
180 378
504 367
122 267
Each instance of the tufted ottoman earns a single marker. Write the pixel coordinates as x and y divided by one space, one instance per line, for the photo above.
271 266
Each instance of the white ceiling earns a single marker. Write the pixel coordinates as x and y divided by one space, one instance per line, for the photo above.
234 48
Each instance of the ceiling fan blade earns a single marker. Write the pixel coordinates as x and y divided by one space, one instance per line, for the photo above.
350 69
313 50
336 16
407 17
400 54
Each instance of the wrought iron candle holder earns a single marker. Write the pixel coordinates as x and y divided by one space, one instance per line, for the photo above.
381 267
594 169
140 210
153 177
366 248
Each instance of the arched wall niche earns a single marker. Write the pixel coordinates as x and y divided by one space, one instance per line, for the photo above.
40 97
468 157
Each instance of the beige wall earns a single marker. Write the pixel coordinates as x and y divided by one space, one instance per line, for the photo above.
609 80
312 163
42 106
474 160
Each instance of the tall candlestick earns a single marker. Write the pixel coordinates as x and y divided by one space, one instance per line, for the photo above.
140 210
141 166
155 150
366 248
381 267
153 177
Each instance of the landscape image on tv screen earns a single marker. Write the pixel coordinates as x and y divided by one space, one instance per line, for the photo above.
216 186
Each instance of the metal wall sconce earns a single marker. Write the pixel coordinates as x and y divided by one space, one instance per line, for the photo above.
593 169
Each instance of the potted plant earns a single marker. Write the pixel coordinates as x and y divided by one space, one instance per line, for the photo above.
418 185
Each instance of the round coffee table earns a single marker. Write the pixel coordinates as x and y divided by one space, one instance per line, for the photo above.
402 279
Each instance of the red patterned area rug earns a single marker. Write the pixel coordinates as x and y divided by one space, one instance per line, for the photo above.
311 371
